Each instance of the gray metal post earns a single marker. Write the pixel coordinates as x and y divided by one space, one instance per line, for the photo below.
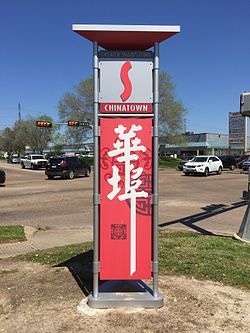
244 231
245 135
155 169
96 199
248 183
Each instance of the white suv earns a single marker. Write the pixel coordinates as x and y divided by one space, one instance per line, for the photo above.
203 165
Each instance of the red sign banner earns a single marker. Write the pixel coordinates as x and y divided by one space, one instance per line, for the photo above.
126 198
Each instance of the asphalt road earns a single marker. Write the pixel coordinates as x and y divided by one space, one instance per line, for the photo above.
29 198
210 204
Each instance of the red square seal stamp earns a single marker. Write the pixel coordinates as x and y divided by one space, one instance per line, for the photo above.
118 231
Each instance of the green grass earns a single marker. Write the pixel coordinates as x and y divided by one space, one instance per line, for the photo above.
213 258
56 255
11 233
168 162
89 160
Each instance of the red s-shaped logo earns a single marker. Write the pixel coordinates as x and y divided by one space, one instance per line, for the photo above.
126 81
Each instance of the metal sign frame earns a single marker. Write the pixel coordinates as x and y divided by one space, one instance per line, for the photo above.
128 293
244 231
245 112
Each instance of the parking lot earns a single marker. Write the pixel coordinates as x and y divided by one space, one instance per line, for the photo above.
210 204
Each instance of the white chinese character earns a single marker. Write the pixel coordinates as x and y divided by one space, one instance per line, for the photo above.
126 145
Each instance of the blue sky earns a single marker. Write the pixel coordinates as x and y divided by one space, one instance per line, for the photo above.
41 58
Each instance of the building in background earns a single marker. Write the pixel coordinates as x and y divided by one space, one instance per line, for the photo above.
236 131
197 144
210 143
85 148
201 144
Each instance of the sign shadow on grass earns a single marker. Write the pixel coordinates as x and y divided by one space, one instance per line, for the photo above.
81 268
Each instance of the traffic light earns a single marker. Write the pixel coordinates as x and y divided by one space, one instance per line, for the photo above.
73 123
79 123
40 123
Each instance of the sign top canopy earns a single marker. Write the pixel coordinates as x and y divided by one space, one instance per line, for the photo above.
126 37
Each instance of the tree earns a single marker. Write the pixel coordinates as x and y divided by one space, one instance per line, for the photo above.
171 111
20 139
78 105
7 140
37 138
26 134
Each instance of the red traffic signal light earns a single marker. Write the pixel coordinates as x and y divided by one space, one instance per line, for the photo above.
73 123
40 123
79 123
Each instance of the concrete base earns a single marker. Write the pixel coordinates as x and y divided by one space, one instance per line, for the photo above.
130 294
236 236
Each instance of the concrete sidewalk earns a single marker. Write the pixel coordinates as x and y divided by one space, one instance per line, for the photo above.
40 240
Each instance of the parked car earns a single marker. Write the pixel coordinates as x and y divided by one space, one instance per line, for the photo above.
246 165
2 176
229 162
33 161
183 161
203 165
243 159
67 167
13 158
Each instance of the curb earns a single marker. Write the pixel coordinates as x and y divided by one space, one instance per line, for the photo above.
29 232
236 236
13 249
42 240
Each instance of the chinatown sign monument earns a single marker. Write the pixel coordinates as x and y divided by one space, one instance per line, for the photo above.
126 100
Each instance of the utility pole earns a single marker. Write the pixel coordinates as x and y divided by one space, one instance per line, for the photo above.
184 125
19 113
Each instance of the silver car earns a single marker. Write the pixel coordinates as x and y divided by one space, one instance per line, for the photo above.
246 165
